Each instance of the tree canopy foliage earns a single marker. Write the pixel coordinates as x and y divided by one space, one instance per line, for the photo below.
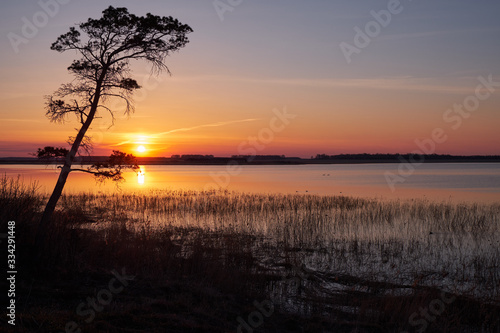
106 46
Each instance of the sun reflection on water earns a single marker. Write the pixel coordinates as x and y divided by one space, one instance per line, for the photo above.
141 175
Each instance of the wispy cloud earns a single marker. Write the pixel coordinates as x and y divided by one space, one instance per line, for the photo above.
427 84
221 123
21 120
436 33
185 129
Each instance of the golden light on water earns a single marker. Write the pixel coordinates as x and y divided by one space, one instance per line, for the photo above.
141 175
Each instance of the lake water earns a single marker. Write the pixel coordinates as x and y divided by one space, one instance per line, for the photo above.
473 182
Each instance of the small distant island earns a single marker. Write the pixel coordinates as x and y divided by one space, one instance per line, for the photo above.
275 159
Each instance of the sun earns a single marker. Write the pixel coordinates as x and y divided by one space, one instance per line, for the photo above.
141 149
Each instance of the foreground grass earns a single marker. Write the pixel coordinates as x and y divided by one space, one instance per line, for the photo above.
451 246
201 260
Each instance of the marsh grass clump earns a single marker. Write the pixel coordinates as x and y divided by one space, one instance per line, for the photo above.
18 201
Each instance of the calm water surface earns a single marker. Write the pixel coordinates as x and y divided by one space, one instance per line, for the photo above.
444 181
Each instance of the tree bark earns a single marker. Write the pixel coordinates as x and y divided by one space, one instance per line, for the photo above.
45 222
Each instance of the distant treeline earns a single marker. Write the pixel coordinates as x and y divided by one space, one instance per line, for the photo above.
408 157
272 159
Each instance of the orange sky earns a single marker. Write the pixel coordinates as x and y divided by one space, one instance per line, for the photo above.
233 74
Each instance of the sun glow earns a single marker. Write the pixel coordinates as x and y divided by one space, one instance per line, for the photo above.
141 149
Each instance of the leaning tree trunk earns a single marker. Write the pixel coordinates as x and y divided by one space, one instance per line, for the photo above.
45 222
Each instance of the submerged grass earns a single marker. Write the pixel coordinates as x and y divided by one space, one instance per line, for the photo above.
201 259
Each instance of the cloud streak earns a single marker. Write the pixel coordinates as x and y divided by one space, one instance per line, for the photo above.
436 33
221 123
22 120
185 129
409 83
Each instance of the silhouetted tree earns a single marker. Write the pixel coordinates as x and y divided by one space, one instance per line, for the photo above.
102 73
112 168
51 153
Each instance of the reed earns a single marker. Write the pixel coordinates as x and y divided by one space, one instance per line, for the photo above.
453 246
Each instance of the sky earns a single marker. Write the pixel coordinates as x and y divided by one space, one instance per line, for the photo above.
291 77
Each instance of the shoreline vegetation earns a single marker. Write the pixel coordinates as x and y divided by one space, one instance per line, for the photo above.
220 261
273 159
